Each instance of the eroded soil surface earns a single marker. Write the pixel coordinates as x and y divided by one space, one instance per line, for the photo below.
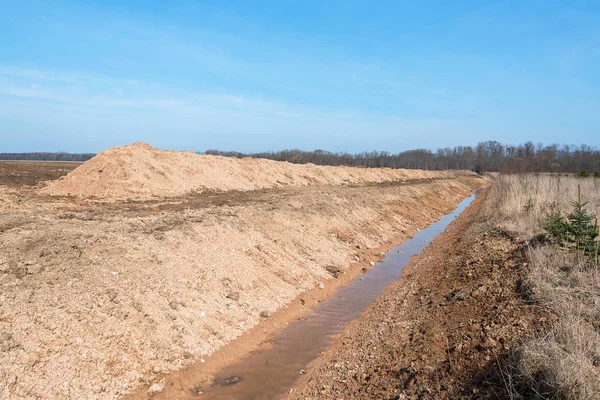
99 299
441 331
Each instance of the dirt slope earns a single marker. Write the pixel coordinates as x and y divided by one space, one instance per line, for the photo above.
438 332
140 171
97 299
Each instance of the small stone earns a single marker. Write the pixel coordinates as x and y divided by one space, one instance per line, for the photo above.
399 251
371 263
173 304
7 343
333 270
488 343
112 295
265 314
235 296
34 269
156 388
19 271
302 372
321 285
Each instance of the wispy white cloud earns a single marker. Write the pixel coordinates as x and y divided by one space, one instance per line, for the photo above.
47 86
129 110
52 76
33 92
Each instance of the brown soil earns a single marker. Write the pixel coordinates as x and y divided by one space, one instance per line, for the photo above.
441 331
99 298
31 173
140 171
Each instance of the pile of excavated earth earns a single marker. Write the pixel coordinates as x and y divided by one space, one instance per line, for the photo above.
100 298
140 171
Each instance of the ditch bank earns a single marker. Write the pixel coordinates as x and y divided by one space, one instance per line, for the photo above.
443 330
191 381
271 371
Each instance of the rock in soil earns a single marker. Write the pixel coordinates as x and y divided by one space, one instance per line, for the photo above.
333 270
235 296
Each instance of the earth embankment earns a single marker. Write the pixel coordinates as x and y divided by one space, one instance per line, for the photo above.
98 298
139 171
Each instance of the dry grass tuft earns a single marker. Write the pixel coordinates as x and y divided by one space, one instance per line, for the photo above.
565 362
521 203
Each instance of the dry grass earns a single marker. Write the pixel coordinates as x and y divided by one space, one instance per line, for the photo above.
565 362
510 196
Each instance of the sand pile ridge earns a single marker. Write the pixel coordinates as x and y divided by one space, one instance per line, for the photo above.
140 171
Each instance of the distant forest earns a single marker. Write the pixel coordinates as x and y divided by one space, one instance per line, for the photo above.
62 156
486 156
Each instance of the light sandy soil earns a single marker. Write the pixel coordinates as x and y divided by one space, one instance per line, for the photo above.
98 298
139 171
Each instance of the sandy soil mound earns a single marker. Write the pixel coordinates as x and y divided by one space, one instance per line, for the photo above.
139 171
99 299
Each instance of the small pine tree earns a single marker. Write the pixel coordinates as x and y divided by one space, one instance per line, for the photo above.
556 226
528 207
582 227
579 230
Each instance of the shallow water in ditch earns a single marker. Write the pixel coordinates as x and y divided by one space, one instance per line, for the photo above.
270 373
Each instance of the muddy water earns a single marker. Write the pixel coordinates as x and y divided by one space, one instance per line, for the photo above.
270 372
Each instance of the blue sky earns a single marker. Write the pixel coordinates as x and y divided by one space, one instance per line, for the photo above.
337 75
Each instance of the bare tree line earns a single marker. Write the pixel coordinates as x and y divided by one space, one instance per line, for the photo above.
486 156
61 156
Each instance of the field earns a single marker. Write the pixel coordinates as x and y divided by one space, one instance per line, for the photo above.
30 173
120 278
105 294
